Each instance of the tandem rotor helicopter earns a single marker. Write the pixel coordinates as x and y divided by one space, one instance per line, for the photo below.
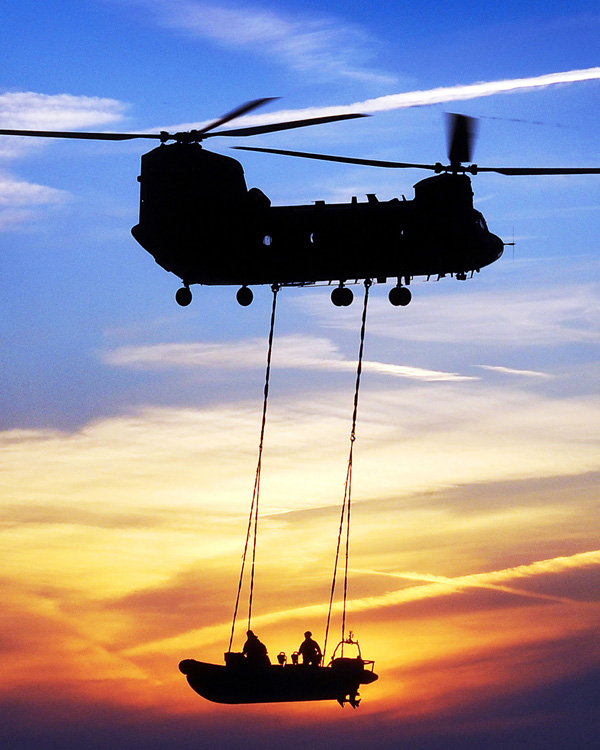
199 220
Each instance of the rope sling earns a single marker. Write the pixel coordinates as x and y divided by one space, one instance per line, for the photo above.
344 526
347 502
252 529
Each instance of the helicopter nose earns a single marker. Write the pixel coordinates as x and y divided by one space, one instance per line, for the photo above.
498 248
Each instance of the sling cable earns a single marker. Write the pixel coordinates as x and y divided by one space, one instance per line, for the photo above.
249 676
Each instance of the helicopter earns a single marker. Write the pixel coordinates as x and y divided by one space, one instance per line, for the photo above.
199 220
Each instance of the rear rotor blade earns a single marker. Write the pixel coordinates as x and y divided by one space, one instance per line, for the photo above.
461 136
540 170
343 159
274 127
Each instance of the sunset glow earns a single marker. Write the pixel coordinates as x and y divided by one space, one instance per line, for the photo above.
129 427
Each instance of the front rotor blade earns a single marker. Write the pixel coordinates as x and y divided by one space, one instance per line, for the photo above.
461 136
342 159
540 170
274 127
85 136
237 112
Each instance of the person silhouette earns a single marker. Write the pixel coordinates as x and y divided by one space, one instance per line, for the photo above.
310 650
255 651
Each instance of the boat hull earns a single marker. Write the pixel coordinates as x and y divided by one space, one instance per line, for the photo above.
277 684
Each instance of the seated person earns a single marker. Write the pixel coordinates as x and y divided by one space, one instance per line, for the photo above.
255 651
310 650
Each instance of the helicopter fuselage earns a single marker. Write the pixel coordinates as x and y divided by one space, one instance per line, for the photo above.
200 222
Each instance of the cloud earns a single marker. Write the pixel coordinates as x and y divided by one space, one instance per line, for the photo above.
291 352
18 198
315 45
28 110
427 97
434 588
548 316
462 92
442 585
415 438
15 192
141 521
13 218
518 373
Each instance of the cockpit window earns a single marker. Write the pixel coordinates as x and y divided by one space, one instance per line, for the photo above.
480 220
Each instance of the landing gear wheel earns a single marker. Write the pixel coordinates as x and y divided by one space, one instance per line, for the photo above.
342 296
400 296
183 296
244 296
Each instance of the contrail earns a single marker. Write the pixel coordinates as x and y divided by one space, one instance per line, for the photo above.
474 91
441 95
432 587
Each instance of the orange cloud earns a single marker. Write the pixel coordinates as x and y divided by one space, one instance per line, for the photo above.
473 563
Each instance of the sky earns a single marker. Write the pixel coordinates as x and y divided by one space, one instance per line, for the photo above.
129 426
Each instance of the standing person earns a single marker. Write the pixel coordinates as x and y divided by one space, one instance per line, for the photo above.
310 650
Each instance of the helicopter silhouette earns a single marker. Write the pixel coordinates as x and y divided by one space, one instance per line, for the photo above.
199 220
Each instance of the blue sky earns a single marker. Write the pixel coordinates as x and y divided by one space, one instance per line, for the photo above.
129 425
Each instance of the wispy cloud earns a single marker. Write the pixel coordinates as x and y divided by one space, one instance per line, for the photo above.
322 47
426 97
518 373
462 92
550 316
33 111
28 110
327 47
15 192
12 218
419 437
434 587
292 352
403 100
18 199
